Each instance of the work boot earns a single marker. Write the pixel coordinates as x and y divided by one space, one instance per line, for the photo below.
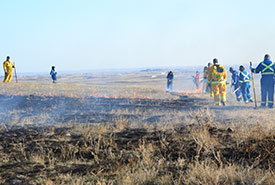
251 101
223 103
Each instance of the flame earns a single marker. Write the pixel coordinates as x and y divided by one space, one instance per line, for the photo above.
105 96
93 93
48 95
150 97
115 96
18 94
74 96
192 92
135 95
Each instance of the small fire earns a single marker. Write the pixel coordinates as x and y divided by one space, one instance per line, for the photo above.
150 97
93 93
18 94
105 96
135 95
48 94
192 92
74 96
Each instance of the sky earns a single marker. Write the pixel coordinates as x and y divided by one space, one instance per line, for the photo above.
79 35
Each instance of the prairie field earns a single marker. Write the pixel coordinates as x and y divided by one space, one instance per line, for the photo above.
125 128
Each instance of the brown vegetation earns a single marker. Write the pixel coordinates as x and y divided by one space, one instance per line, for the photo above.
58 134
199 151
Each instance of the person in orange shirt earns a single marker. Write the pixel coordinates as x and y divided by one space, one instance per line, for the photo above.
217 77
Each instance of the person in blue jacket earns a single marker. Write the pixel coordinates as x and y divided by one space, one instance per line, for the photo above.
267 69
235 83
244 82
53 74
170 77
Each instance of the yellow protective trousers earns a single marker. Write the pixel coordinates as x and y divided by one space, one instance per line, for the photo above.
219 89
8 77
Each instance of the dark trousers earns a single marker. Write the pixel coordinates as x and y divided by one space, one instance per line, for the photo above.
170 84
267 89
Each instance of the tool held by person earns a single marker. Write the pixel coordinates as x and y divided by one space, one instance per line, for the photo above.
15 74
236 90
253 84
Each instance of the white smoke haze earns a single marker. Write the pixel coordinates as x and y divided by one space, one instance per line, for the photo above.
105 97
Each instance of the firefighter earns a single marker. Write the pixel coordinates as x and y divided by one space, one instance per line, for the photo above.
205 84
267 69
170 77
53 74
235 83
8 65
209 86
244 83
217 76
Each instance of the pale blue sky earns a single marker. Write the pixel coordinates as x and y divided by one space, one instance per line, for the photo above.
98 34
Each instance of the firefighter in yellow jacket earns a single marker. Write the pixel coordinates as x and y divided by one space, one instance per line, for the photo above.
8 65
217 76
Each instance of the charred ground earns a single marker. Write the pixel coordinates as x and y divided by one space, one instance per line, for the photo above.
91 110
68 133
128 141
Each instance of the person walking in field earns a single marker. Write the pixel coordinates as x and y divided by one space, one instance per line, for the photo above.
209 86
235 83
53 74
197 79
205 73
217 76
8 65
170 77
267 69
244 83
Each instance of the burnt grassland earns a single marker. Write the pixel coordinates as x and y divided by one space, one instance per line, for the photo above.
125 129
129 141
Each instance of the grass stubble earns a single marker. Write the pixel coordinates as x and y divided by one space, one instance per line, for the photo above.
199 149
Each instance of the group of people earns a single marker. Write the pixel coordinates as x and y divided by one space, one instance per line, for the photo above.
8 66
217 80
170 77
215 77
216 83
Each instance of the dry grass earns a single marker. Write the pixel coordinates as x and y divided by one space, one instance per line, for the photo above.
201 152
225 145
